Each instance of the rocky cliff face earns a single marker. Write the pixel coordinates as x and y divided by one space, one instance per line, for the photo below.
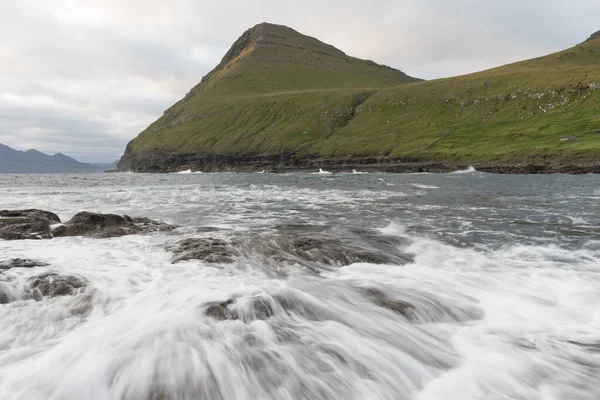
159 162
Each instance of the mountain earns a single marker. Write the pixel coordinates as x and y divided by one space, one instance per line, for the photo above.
30 161
281 100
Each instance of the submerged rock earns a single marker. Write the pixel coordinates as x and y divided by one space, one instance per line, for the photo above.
209 250
48 284
96 225
257 308
264 306
52 284
383 300
318 251
21 263
220 310
26 224
313 252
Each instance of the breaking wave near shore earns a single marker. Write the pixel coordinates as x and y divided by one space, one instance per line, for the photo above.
302 286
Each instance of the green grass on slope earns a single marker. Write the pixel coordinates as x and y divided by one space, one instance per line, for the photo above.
287 121
254 76
511 112
270 58
523 109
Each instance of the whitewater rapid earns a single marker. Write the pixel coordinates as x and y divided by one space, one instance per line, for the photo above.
500 276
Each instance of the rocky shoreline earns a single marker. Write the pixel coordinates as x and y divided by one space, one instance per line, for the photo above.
41 224
161 162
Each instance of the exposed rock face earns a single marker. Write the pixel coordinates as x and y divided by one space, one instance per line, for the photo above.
51 285
26 224
159 161
95 225
36 224
20 263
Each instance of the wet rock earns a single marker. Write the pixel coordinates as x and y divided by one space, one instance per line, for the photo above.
26 224
383 300
6 295
258 308
262 307
321 250
209 250
21 263
220 310
52 285
82 305
96 225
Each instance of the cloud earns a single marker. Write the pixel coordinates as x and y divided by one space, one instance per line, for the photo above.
83 78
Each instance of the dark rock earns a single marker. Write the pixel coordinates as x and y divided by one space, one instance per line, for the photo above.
96 225
313 252
220 310
26 224
209 250
6 295
381 299
259 308
52 285
21 263
263 307
322 250
31 213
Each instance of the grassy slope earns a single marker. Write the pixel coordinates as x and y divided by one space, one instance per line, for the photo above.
259 103
505 113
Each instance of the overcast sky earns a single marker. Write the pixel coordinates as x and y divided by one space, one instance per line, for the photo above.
85 77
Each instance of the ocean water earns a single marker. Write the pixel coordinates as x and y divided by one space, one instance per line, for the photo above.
501 274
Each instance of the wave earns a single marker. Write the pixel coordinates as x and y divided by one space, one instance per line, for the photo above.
471 170
308 303
423 186
322 172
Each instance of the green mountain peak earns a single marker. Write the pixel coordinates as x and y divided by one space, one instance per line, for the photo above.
272 58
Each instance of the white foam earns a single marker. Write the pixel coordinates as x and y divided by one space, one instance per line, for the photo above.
500 321
424 186
469 171
322 172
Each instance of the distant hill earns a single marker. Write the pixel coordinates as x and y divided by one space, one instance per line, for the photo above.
33 161
280 99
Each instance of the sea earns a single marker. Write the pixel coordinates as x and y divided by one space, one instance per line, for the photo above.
493 290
